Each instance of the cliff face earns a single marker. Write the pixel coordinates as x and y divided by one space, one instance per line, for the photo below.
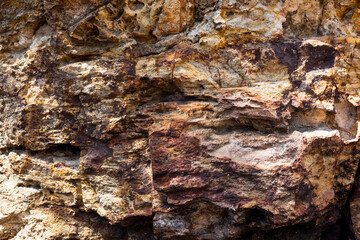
179 119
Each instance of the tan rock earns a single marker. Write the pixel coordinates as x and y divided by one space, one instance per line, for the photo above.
179 119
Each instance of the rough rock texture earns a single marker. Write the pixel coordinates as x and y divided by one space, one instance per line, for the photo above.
179 119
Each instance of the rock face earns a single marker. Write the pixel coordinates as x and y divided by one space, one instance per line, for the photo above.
179 119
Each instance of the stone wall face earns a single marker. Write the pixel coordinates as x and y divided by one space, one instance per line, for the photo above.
179 119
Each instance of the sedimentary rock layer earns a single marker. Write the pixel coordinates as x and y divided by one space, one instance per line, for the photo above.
179 119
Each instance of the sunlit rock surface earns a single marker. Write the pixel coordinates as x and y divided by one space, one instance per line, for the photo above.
179 119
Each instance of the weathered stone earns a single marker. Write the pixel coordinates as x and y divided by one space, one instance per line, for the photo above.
179 119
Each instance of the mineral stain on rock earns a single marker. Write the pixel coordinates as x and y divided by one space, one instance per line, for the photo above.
287 54
179 119
95 156
319 57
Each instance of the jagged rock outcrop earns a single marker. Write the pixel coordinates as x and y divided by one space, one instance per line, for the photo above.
179 119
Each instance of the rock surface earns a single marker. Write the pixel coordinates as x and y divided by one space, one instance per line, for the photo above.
179 119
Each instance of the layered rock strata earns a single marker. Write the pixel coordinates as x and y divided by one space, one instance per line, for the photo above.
179 119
